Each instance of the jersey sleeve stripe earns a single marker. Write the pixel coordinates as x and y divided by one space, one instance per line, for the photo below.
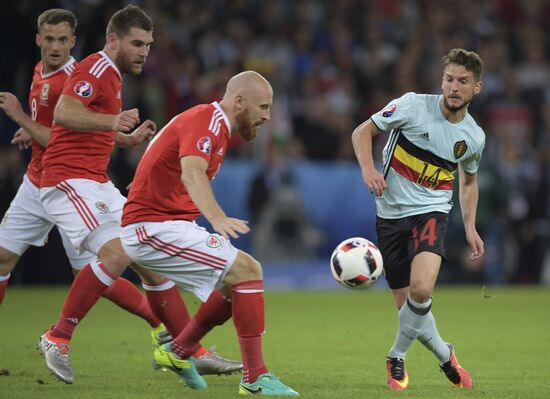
215 122
98 65
100 72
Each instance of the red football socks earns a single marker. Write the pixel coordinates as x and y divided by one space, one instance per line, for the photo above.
168 306
214 312
248 316
3 287
126 295
88 285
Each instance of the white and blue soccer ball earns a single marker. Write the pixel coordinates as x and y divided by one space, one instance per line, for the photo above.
356 263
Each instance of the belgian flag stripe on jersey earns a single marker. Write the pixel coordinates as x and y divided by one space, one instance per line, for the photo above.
424 155
430 171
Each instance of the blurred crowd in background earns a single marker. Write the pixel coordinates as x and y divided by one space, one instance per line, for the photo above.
332 64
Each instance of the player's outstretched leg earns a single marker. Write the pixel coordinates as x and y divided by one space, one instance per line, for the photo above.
458 376
185 368
166 300
56 354
214 312
247 291
398 379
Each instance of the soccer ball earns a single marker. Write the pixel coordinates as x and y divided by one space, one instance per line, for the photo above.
356 263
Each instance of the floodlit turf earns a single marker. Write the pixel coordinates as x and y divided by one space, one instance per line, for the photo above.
323 344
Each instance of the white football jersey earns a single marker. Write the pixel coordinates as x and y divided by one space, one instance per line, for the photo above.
422 154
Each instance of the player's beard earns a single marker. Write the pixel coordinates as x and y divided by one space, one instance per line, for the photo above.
455 108
126 65
247 130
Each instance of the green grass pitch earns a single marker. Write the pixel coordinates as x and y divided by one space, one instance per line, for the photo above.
323 344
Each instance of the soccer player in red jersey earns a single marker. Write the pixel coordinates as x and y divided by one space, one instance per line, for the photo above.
171 189
26 223
78 196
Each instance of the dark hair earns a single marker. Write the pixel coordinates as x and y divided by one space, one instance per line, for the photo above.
468 59
55 16
129 17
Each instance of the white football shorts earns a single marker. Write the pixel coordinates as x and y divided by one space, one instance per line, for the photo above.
87 211
26 224
181 251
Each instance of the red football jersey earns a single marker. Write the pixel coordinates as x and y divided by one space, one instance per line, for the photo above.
157 193
45 90
96 82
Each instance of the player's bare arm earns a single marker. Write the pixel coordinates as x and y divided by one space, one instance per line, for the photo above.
145 131
71 113
12 107
198 186
468 196
362 145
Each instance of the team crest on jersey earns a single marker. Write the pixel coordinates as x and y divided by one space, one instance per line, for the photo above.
102 206
389 110
460 149
205 145
44 94
213 241
83 89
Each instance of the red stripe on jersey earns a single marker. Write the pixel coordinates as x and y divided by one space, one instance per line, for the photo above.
412 175
87 216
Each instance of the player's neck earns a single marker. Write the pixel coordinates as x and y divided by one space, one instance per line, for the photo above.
229 115
111 56
46 69
452 116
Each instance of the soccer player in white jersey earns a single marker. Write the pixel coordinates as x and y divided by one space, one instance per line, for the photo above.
431 137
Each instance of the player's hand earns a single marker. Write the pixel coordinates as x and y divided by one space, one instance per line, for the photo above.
22 139
230 227
146 131
126 120
374 181
476 244
11 105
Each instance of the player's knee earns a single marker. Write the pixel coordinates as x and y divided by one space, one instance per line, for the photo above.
147 276
245 268
113 257
8 261
421 292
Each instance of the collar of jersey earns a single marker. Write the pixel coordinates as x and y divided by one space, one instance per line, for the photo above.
65 65
110 61
225 118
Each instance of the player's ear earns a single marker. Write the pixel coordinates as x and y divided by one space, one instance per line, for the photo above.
477 88
38 39
239 103
112 41
73 41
